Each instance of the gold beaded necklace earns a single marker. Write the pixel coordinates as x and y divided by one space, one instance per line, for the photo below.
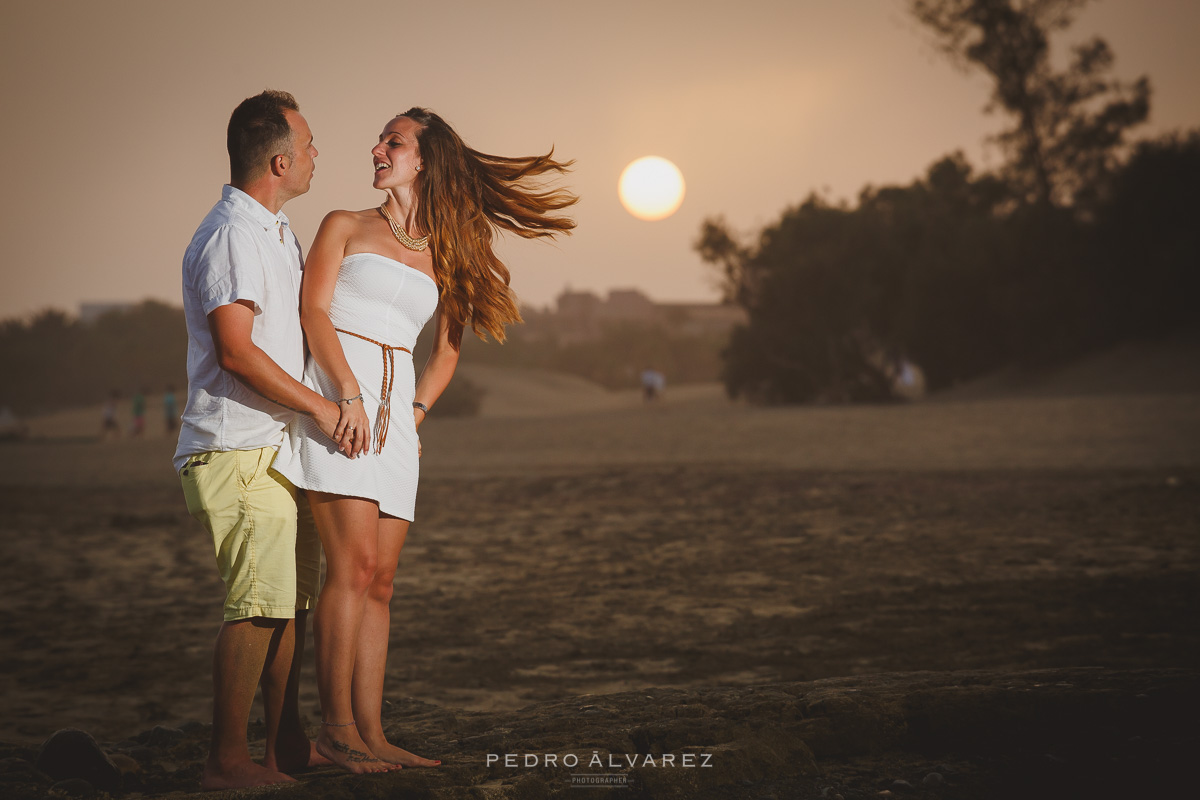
402 236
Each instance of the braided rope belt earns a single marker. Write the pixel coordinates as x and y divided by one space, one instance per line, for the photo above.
385 392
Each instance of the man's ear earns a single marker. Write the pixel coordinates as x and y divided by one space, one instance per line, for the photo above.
279 165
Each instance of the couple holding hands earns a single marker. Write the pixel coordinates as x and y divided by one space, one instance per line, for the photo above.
283 452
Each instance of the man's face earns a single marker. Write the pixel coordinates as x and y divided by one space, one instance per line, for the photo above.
302 163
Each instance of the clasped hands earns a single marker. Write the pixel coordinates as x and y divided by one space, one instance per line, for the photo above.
353 432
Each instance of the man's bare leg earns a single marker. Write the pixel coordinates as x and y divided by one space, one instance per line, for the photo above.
370 661
288 746
238 659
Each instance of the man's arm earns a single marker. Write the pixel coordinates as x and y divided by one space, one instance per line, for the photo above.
231 325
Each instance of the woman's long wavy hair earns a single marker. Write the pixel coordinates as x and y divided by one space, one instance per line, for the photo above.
462 196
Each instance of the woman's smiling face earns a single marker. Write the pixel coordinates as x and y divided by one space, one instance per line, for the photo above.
397 157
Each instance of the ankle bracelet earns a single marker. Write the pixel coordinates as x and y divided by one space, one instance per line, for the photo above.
337 724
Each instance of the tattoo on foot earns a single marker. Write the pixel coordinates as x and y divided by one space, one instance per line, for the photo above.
352 754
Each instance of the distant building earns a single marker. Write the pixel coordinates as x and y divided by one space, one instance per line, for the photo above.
629 304
583 316
577 305
90 312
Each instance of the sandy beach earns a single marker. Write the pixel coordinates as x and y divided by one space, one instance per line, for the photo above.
601 546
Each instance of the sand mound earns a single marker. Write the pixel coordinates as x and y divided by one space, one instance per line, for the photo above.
522 392
1169 366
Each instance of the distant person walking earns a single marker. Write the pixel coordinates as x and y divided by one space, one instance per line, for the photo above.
109 427
653 383
170 409
241 288
139 413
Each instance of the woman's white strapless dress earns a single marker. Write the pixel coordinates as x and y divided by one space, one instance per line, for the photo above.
390 302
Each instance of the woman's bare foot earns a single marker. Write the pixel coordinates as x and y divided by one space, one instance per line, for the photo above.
346 749
239 775
384 751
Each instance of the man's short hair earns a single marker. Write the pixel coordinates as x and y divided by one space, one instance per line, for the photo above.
259 131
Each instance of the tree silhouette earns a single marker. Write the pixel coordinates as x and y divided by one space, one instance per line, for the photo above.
810 290
1145 256
1069 125
952 273
1073 244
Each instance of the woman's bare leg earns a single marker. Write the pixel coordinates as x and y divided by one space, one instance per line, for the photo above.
348 528
370 663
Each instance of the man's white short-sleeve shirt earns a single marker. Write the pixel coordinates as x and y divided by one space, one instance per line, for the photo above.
241 251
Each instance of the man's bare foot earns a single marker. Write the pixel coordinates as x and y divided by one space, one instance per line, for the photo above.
346 749
239 775
295 753
384 751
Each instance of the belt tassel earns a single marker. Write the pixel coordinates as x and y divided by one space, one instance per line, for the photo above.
385 392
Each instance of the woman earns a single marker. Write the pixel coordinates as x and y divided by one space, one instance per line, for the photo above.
371 281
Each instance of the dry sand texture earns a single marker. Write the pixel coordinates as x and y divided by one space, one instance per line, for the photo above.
604 548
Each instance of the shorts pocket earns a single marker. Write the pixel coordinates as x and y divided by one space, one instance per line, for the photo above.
251 465
196 462
194 476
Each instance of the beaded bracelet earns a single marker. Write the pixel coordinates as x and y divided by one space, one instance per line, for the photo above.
349 400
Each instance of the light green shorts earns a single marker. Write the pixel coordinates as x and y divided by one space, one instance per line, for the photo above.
270 564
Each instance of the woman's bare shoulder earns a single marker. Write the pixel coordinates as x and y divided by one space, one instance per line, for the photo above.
345 218
342 226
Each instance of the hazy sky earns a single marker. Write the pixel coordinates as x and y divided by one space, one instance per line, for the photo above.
114 117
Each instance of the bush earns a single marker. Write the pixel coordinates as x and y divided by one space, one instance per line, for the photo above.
462 398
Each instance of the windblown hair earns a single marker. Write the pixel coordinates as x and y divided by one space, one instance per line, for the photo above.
463 197
259 131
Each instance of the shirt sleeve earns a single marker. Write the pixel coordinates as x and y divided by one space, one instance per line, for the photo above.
229 269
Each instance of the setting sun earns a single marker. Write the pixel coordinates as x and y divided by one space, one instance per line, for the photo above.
651 188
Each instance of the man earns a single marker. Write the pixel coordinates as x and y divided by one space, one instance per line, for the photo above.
241 287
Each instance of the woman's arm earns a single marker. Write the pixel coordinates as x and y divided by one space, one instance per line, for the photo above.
439 369
316 293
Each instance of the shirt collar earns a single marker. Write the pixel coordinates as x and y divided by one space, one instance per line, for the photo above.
256 210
